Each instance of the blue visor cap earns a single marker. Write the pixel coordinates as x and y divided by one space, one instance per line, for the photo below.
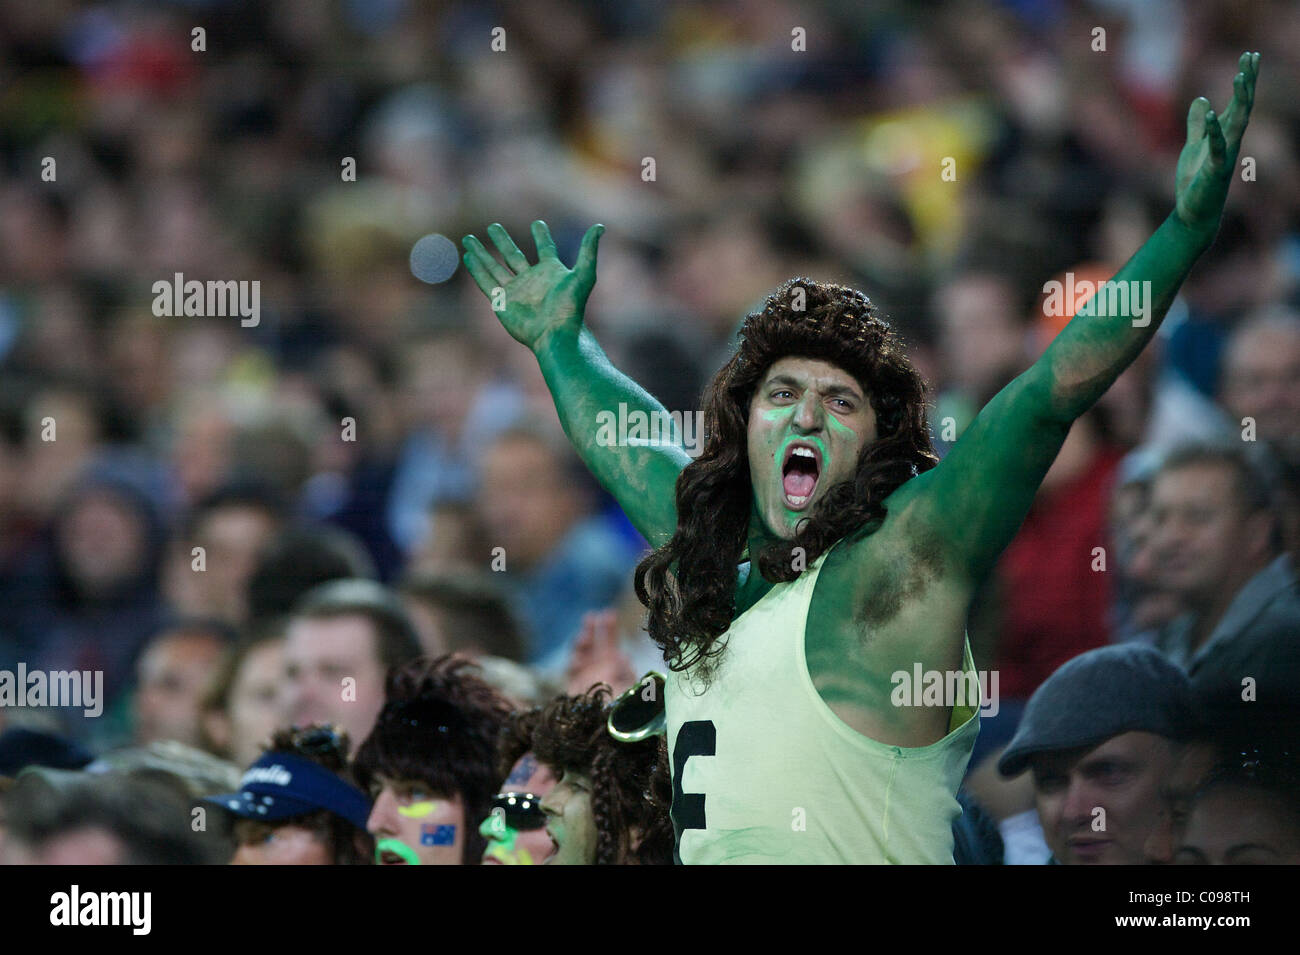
280 785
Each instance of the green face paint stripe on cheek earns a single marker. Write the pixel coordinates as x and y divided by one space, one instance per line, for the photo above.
418 810
398 848
841 426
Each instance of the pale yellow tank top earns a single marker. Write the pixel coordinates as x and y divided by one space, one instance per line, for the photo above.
765 772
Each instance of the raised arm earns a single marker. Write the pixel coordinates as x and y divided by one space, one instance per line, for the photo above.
542 307
979 494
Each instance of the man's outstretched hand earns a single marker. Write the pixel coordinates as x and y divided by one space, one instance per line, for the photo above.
534 300
1209 159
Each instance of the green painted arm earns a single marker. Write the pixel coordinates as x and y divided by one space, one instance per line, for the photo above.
980 493
542 306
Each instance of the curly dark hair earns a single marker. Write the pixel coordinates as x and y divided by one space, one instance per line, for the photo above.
440 725
516 739
688 584
631 792
326 746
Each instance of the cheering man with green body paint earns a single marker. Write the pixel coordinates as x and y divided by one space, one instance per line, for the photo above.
816 547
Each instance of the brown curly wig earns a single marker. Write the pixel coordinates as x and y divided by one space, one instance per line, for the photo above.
688 585
440 725
631 788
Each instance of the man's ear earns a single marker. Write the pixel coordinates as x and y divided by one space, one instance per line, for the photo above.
1259 532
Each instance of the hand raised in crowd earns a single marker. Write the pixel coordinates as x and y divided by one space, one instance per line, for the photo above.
598 656
534 300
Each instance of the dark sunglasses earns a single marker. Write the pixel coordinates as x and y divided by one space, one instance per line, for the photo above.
519 811
639 713
318 740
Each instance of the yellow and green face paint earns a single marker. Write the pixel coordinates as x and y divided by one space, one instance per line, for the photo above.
503 841
418 810
398 848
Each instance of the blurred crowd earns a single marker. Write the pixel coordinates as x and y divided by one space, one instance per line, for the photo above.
180 496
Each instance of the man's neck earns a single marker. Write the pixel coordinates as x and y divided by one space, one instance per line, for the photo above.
757 539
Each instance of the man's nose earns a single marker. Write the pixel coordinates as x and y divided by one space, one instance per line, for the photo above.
1079 803
492 828
381 821
808 414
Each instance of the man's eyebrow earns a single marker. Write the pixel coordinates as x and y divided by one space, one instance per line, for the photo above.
1103 764
833 389
782 380
843 390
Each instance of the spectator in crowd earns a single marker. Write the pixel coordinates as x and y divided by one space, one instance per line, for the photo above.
299 805
1246 813
430 764
191 772
21 747
1099 736
515 829
101 820
92 597
342 639
1217 545
297 560
1142 604
463 613
242 707
172 674
983 343
453 541
453 408
609 805
231 525
1261 379
559 561
1260 383
1193 763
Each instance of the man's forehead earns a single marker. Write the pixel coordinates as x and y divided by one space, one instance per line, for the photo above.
347 636
1131 745
815 371
1265 348
1198 480
411 782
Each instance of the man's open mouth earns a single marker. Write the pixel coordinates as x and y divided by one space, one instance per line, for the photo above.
390 858
555 846
799 473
